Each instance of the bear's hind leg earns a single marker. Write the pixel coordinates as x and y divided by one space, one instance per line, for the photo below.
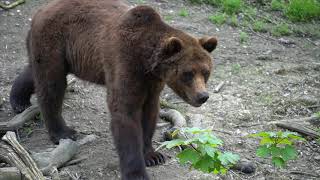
149 120
21 91
50 82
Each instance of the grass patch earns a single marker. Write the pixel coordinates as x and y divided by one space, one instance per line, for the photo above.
277 5
232 6
303 10
168 18
259 26
219 18
281 30
183 12
243 37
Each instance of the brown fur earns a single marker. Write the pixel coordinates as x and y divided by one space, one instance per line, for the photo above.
130 51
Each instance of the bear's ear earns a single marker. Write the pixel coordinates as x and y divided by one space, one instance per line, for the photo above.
208 43
172 46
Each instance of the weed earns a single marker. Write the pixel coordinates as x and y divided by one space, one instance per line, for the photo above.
218 18
281 30
303 10
259 26
277 5
168 18
202 150
231 6
235 68
183 12
277 145
234 21
243 37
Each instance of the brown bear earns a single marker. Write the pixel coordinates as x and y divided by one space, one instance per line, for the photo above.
130 51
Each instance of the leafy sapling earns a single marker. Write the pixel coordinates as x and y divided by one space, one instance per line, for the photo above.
201 150
277 145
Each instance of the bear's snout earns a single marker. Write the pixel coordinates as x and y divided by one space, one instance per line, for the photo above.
202 97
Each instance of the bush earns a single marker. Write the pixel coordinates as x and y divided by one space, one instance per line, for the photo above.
281 30
303 10
259 26
231 6
218 18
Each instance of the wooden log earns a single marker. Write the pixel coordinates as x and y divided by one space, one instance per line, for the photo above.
299 128
19 120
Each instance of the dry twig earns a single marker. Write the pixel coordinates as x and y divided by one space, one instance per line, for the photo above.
12 5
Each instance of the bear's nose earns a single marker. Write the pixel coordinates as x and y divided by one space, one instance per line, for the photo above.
202 97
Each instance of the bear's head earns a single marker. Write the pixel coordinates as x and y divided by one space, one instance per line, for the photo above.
186 66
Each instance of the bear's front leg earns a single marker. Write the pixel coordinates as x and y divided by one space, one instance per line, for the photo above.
149 120
127 133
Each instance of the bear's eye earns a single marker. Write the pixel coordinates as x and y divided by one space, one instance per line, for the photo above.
187 76
206 75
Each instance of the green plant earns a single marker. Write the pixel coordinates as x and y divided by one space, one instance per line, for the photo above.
234 21
202 151
183 12
168 17
281 30
218 18
303 10
277 145
235 68
231 6
243 37
317 114
277 5
259 26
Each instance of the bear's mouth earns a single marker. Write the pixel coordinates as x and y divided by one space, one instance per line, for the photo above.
188 100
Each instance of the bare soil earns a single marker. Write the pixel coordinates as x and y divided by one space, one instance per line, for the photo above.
265 81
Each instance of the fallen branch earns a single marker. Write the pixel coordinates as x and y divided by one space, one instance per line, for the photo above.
314 120
11 5
300 129
19 120
21 158
177 121
218 88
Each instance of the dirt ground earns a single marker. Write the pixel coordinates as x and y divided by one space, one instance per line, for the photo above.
265 81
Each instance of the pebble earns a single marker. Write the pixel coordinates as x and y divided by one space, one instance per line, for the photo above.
317 158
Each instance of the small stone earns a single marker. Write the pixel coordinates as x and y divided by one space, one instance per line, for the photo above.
317 158
18 10
7 2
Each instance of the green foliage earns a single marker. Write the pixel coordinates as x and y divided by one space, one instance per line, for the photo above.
183 12
277 145
281 30
243 37
202 151
259 26
218 18
277 5
303 10
168 18
234 21
317 114
231 6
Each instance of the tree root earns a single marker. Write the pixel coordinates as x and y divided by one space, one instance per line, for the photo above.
12 5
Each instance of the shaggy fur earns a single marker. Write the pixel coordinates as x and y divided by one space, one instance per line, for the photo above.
130 51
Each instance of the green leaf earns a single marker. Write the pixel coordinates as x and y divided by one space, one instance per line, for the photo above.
175 132
263 151
228 158
204 164
266 140
173 143
289 153
285 141
260 134
278 162
209 150
275 151
195 130
188 155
